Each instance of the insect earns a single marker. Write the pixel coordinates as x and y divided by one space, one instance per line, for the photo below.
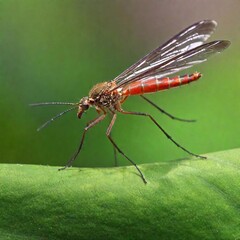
150 74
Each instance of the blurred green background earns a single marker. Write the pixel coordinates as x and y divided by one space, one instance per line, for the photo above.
56 50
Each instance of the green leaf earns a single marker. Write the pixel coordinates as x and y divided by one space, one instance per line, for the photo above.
184 199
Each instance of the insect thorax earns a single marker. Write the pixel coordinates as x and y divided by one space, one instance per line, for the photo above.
103 96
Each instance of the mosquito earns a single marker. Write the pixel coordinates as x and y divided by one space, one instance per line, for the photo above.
150 74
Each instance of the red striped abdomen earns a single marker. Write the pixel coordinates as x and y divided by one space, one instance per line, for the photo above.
154 84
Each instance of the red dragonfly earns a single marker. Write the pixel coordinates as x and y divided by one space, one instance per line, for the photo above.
148 75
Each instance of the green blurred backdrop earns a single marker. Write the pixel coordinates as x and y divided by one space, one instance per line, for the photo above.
56 50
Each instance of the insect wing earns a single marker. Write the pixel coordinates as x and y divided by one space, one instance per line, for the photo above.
188 39
186 60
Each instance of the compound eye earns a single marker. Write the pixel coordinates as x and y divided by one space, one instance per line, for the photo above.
85 107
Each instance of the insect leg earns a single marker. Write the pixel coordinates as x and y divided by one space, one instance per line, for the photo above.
164 112
114 149
108 133
165 133
115 153
89 125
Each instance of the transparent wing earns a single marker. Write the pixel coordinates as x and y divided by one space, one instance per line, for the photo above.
185 60
185 41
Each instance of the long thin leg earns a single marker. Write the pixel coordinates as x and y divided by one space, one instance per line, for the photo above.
89 125
115 157
114 149
165 133
164 112
115 154
108 133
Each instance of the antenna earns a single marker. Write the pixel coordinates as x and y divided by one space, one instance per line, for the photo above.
51 103
55 117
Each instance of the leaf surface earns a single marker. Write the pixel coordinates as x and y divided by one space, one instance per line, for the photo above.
184 199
